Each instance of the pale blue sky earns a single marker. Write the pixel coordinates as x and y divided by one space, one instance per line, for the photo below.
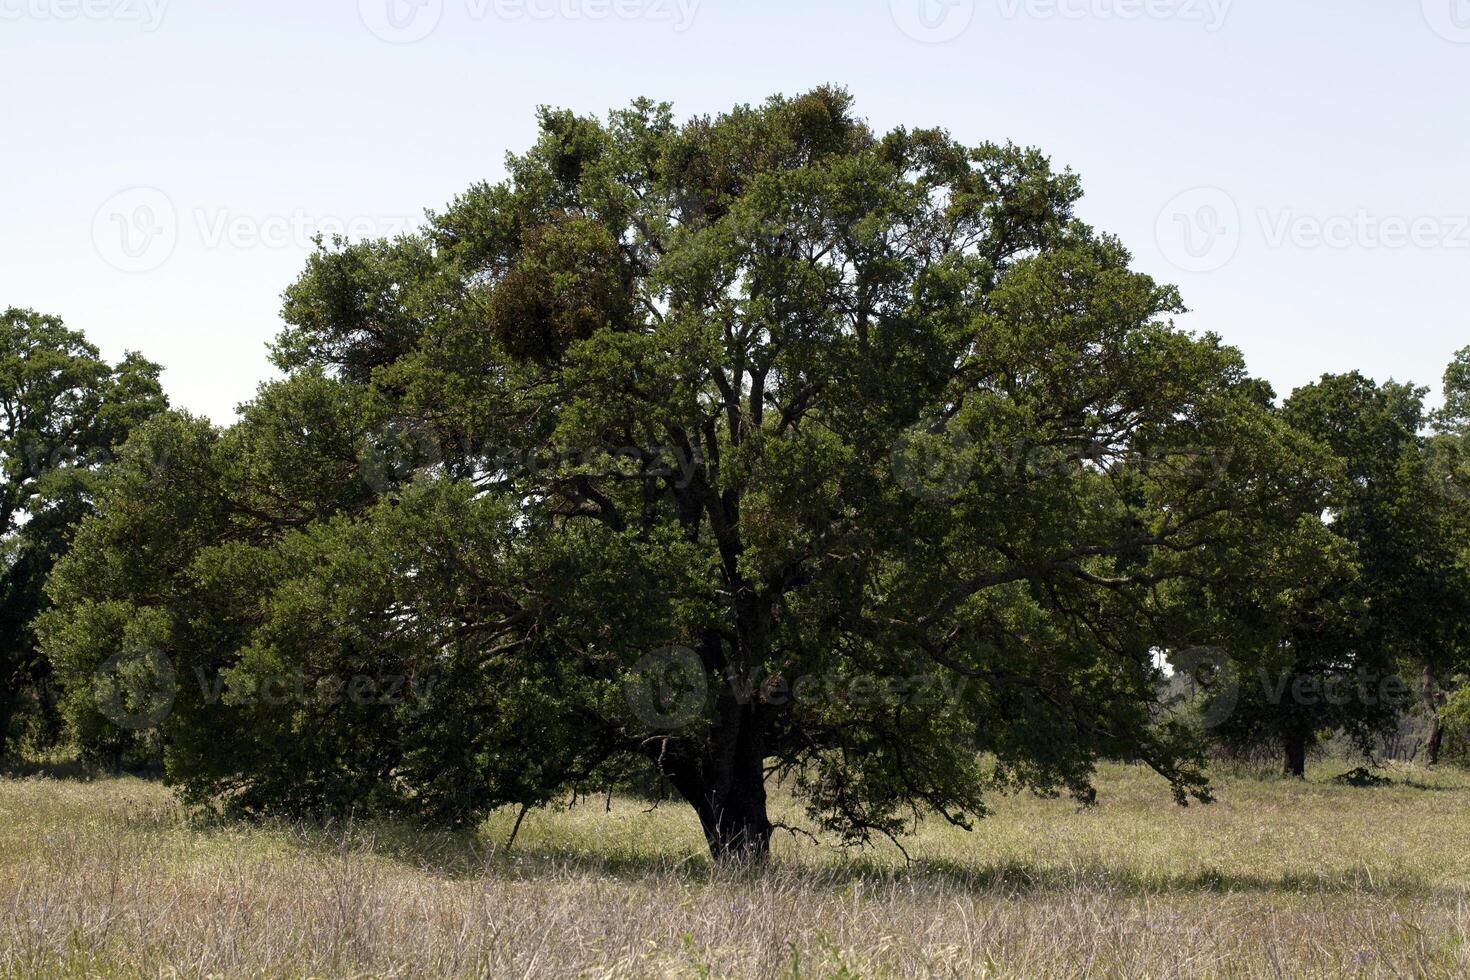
1298 167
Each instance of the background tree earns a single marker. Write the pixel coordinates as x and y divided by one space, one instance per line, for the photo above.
755 445
1410 533
62 412
1344 642
1304 666
1446 496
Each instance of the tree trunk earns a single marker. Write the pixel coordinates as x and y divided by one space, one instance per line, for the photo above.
1296 756
736 826
8 701
1429 692
1435 742
727 788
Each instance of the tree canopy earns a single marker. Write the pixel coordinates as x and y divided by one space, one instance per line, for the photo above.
750 445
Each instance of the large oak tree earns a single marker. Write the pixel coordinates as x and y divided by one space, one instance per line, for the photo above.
750 446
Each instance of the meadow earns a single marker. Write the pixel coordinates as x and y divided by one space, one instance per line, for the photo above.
110 877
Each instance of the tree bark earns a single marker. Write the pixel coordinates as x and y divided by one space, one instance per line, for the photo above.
727 788
736 826
1429 692
1435 742
8 705
1296 756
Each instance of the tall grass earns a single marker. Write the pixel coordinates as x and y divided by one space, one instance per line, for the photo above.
112 878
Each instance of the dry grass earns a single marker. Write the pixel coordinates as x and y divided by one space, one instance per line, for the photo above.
111 878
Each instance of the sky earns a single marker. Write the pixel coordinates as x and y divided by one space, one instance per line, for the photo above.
1298 167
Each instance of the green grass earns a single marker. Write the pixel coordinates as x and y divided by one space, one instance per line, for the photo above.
113 878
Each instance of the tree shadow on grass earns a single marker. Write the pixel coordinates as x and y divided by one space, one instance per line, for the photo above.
465 855
1015 879
28 769
1415 784
72 769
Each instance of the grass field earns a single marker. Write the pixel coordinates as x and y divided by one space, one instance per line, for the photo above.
111 878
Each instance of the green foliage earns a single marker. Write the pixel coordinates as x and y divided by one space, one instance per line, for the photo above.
566 286
1456 412
1456 716
755 444
1340 640
63 410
